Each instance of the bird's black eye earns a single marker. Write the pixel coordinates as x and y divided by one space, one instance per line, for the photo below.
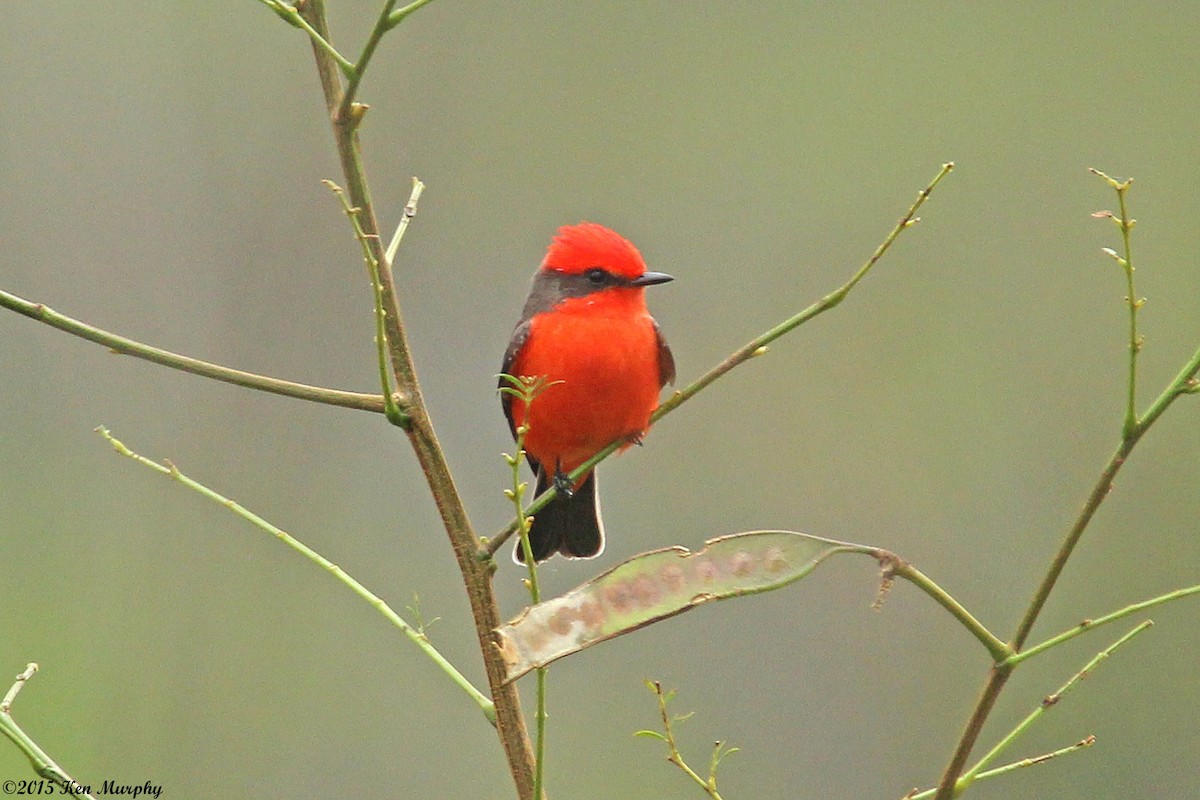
596 276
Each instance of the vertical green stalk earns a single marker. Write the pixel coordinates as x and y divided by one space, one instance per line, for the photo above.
390 408
526 389
1125 224
1132 431
1135 303
535 597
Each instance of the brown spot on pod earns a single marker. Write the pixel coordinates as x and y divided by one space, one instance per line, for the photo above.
560 623
646 591
618 597
707 571
672 577
774 560
742 564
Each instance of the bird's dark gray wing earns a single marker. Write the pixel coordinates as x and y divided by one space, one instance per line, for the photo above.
519 337
666 361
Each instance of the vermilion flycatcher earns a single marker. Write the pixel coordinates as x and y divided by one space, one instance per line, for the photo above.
586 329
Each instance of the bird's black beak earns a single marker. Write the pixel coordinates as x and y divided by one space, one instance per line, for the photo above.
650 279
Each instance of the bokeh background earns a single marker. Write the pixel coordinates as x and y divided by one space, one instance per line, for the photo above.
160 171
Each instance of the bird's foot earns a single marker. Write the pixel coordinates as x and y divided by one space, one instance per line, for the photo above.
562 483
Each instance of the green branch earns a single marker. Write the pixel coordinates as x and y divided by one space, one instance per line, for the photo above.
417 636
1132 430
980 771
476 575
399 15
893 565
1185 382
755 347
391 408
345 112
42 764
1092 624
1125 224
1130 435
250 380
709 785
1024 762
290 15
527 389
1049 702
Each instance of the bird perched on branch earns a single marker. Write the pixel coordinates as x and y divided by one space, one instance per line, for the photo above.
586 330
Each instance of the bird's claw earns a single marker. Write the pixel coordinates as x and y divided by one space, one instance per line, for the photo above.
563 484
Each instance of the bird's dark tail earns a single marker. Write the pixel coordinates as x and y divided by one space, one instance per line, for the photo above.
568 526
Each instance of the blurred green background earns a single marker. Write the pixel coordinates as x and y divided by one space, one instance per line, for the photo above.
160 171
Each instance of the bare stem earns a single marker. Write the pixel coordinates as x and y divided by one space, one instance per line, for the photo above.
1092 624
476 574
1125 223
42 764
674 756
398 16
894 566
1097 496
391 408
415 634
1052 700
290 15
250 380
755 347
382 26
410 210
528 389
1087 741
1183 383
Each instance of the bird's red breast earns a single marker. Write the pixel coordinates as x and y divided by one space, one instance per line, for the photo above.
585 330
601 354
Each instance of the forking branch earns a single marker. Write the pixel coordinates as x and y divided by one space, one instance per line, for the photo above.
42 763
345 116
1132 430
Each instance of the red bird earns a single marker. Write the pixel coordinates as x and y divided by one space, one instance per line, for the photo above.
586 329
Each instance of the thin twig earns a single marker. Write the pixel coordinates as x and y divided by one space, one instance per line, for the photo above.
399 15
410 210
999 674
755 347
476 574
894 566
382 26
1092 624
1084 743
416 635
1125 224
22 678
42 764
1049 702
527 390
391 407
290 15
250 380
673 754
